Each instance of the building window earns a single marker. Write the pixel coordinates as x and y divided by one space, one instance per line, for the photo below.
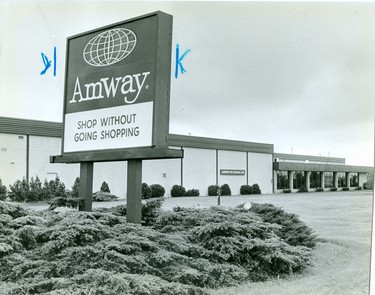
315 179
353 179
282 179
341 179
298 179
328 179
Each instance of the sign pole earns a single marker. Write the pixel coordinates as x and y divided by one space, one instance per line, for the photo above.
85 185
134 192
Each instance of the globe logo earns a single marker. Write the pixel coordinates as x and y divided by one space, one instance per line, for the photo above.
109 47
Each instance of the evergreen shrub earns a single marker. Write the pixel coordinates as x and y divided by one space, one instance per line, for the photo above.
287 191
157 191
333 189
225 190
302 189
193 193
181 252
146 191
256 189
246 189
3 191
102 196
105 187
178 191
345 188
319 189
294 231
19 191
212 190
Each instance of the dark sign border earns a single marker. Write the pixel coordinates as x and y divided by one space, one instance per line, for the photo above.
161 108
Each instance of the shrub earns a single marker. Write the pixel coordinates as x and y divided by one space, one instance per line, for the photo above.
178 191
19 191
225 190
256 189
333 189
3 191
246 189
369 184
345 188
101 196
100 253
151 210
105 188
75 188
146 191
319 189
157 191
302 189
54 189
35 190
213 189
193 193
359 188
287 191
294 231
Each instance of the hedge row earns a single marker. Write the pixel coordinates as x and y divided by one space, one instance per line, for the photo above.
54 192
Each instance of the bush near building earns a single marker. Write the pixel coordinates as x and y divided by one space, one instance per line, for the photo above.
3 191
193 193
225 190
246 189
105 187
157 191
256 189
178 191
146 191
213 190
104 195
302 189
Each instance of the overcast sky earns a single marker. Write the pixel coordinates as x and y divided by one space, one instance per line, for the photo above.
297 75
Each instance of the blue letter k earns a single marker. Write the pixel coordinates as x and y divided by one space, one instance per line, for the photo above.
179 60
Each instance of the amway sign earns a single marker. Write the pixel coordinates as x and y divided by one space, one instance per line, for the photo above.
117 86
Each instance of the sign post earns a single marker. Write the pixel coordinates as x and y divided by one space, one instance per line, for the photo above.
116 100
85 185
134 200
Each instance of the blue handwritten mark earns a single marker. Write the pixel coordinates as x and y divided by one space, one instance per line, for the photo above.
179 60
47 62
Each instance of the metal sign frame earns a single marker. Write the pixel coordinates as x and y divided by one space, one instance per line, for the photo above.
161 63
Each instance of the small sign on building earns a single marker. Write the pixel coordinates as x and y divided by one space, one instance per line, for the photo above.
234 172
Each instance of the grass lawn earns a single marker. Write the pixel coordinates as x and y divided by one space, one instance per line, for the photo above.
341 259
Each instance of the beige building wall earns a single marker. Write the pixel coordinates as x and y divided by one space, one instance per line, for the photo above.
199 169
164 172
12 158
40 149
260 171
230 160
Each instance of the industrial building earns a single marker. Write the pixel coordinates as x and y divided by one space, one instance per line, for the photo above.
26 147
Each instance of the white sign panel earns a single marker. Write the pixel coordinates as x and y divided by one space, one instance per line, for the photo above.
109 128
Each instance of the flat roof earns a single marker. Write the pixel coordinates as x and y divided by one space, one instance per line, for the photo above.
293 157
289 166
220 144
30 127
